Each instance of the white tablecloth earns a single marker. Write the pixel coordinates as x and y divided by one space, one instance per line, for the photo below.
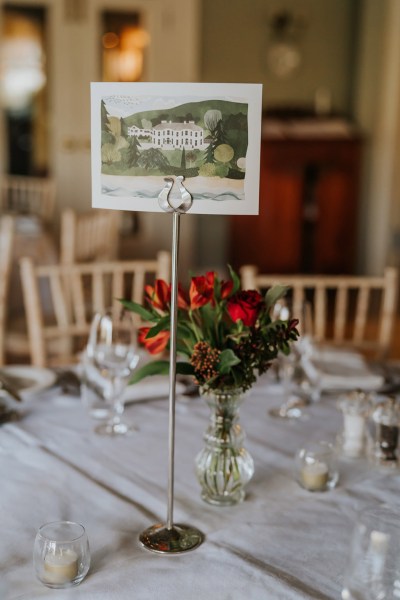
282 542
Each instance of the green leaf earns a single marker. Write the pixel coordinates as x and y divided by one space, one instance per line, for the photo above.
274 294
235 279
162 325
139 309
184 368
227 359
160 367
186 332
217 288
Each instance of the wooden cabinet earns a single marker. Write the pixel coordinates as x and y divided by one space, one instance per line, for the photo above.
308 208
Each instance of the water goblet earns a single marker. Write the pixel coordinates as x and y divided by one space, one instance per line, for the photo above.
299 388
111 357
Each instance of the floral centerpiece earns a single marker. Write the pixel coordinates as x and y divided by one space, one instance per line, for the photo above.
227 338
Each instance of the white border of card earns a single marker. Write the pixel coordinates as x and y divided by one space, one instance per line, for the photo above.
208 132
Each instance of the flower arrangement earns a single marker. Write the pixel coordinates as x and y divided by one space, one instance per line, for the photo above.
225 334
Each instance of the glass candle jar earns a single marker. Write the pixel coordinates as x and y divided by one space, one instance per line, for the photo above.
385 424
355 406
316 467
61 555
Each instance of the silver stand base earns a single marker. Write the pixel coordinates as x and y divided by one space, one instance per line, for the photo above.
180 538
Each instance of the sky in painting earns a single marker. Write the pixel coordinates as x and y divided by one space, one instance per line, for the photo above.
124 105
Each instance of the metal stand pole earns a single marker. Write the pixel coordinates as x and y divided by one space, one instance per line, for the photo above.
172 538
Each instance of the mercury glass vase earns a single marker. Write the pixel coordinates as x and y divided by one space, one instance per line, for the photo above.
224 466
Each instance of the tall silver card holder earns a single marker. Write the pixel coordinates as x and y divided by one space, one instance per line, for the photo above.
172 538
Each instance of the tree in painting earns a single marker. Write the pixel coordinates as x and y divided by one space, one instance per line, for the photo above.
153 159
133 153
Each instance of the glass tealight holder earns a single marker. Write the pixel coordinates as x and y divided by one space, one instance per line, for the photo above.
316 467
61 555
385 421
352 441
373 566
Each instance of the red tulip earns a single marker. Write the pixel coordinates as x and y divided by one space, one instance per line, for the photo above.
159 296
201 290
156 344
226 289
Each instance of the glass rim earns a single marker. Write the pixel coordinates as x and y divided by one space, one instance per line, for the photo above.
317 448
41 529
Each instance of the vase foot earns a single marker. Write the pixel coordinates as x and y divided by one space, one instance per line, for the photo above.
179 538
230 500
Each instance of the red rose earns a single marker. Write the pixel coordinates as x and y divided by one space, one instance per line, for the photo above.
201 290
245 305
156 344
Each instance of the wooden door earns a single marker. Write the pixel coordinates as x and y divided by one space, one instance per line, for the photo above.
271 240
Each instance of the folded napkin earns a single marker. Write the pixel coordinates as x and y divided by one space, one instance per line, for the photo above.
156 386
336 369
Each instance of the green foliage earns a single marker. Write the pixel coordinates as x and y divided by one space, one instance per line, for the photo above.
160 367
226 121
133 152
207 170
153 158
183 159
221 170
110 154
146 314
192 111
236 174
274 294
209 157
226 332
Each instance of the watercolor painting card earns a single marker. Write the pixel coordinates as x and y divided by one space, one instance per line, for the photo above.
208 133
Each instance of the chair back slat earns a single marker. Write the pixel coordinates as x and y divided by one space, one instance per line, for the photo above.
98 291
7 229
349 310
340 313
389 305
320 312
77 291
87 236
361 314
34 312
78 311
28 195
118 286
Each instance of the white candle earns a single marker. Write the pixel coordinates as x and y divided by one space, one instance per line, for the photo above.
354 432
315 476
61 567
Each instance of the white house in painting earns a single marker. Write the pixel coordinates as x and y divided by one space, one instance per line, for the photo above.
171 135
133 130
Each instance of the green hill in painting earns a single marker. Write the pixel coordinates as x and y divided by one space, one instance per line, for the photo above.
192 111
222 152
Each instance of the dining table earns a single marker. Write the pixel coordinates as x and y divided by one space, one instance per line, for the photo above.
282 542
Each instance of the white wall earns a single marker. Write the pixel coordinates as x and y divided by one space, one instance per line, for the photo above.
377 108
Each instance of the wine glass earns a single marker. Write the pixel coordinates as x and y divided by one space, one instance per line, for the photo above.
299 385
111 357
